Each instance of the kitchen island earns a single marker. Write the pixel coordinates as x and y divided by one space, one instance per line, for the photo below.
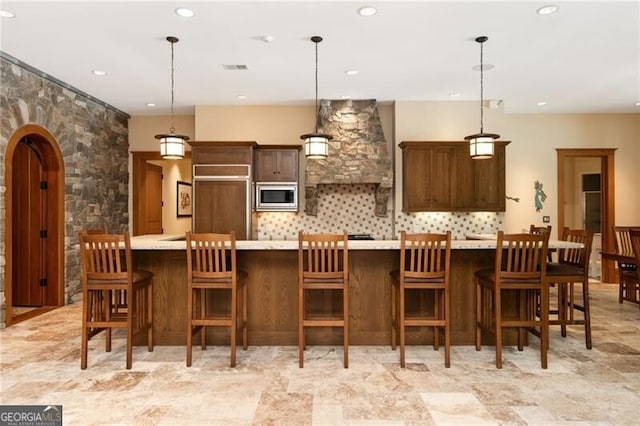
273 299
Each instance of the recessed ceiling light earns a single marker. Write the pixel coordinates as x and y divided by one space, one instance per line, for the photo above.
346 96
542 103
242 97
150 104
367 11
351 72
547 10
6 14
454 95
637 104
184 12
98 72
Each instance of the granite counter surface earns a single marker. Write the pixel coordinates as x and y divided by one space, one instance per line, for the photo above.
176 242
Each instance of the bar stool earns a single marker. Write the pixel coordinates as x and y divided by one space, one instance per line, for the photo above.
572 268
212 270
424 268
542 230
323 265
520 268
629 287
107 271
633 276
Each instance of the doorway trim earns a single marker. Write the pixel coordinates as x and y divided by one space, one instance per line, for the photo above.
138 207
606 157
54 165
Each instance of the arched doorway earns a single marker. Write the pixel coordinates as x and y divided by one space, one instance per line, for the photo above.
34 231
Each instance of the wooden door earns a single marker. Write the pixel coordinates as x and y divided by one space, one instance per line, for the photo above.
29 227
221 206
153 198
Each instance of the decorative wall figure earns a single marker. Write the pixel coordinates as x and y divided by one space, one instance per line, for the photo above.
540 196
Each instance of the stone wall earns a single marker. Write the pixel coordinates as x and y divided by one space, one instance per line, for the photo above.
93 139
358 152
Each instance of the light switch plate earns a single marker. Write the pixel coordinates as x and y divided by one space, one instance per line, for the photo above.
546 219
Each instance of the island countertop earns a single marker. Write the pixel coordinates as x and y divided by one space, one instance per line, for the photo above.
177 242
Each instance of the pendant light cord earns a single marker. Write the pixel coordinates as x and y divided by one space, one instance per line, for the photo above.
481 89
172 128
317 113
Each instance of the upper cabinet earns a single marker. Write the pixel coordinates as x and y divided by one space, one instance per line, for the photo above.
428 175
276 164
441 176
481 183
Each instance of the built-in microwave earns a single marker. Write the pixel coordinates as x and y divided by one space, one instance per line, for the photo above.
276 197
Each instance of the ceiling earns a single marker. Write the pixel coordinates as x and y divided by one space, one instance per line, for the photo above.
583 58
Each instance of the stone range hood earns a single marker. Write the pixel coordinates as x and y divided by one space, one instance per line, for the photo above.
358 153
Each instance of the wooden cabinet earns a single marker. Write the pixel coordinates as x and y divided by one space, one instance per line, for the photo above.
481 183
428 177
441 176
222 187
276 164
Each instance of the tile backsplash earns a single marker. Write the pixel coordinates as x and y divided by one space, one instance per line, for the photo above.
351 208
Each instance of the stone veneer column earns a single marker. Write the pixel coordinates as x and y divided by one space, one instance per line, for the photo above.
93 139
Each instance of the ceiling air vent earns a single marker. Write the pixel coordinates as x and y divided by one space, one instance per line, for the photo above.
234 67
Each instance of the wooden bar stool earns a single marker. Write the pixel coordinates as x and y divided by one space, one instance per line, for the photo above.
633 276
323 265
107 273
211 271
520 268
629 286
572 268
424 268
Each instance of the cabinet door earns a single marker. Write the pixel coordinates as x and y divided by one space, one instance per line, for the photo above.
288 165
443 178
490 181
416 179
221 206
480 183
276 165
266 165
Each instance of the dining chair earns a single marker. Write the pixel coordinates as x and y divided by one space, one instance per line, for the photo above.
424 268
572 268
107 270
628 285
520 269
212 273
632 277
323 267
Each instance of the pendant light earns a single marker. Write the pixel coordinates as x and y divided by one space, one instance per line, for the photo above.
481 144
172 145
316 145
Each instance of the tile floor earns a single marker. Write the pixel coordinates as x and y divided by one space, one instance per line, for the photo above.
39 360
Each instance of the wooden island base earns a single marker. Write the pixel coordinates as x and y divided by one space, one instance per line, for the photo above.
273 305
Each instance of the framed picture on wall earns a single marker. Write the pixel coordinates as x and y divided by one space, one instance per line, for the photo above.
184 199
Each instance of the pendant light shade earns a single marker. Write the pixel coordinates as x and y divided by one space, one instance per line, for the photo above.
481 144
172 145
316 145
